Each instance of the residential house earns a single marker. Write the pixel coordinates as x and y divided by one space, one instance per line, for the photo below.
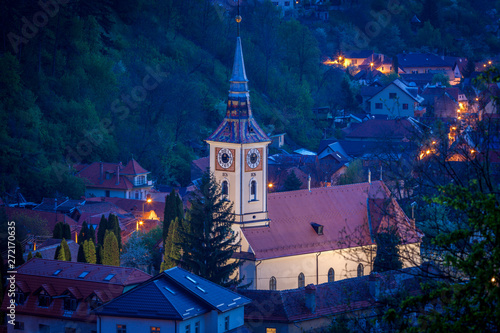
420 80
278 140
447 103
418 63
285 5
115 180
59 296
60 205
142 210
48 249
174 301
396 100
358 301
199 167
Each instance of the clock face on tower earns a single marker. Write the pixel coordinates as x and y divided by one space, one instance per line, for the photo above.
253 158
225 158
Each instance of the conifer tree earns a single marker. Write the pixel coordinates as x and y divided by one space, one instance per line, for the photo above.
30 256
110 251
98 254
38 255
89 251
101 231
60 255
114 226
387 257
173 209
61 230
292 182
81 254
172 246
210 242
87 232
19 253
67 252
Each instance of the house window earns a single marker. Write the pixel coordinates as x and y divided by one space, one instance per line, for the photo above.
275 3
225 190
19 297
361 270
120 328
226 323
414 72
354 61
154 329
197 327
253 190
43 328
378 106
188 329
19 325
95 302
43 299
331 275
302 280
107 194
392 95
405 106
70 304
270 330
287 3
137 194
272 283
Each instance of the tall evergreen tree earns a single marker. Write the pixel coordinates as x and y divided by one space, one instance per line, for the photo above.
173 209
101 231
61 230
86 233
18 256
67 252
387 257
98 253
30 256
38 255
110 251
292 182
81 254
89 251
210 242
172 254
60 253
114 226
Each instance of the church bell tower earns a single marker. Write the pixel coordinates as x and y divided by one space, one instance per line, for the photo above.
238 152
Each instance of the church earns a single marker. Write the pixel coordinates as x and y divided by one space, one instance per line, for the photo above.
292 239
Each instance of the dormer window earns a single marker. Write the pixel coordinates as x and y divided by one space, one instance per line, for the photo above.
70 304
95 302
318 228
43 299
19 297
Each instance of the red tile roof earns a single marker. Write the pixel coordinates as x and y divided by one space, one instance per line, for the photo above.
338 209
202 163
133 168
38 273
134 206
92 175
51 218
383 129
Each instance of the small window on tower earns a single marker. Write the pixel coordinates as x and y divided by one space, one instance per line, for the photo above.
253 190
225 190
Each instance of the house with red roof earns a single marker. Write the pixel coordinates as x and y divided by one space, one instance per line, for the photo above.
115 180
60 296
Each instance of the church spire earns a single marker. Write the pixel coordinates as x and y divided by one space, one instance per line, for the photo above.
238 125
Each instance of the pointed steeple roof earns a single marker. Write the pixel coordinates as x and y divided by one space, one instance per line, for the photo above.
238 125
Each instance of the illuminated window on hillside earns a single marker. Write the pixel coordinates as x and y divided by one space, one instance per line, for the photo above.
331 275
361 270
270 330
302 280
155 329
272 283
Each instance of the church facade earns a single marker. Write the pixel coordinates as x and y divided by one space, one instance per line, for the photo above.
292 239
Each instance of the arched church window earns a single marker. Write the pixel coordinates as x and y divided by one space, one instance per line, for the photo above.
253 190
331 275
225 190
302 280
272 283
361 270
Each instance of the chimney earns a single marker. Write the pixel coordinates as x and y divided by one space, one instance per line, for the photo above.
310 297
309 183
101 176
118 174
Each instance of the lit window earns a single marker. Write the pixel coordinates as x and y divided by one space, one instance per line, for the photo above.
120 328
226 323
302 280
270 330
272 283
392 95
253 190
378 106
405 106
331 275
154 329
361 270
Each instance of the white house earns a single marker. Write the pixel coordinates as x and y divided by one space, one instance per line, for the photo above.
395 100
